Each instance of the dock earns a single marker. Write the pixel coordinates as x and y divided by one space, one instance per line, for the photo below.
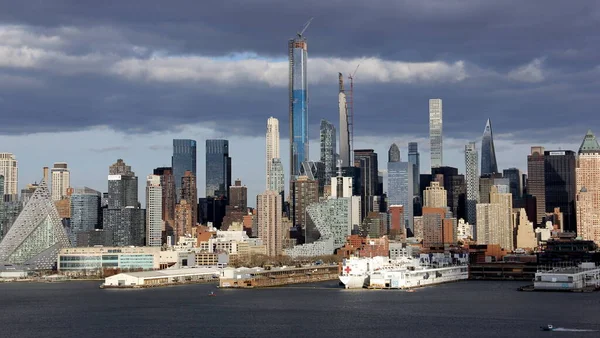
248 278
582 278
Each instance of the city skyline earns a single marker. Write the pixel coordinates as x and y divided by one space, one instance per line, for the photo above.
128 93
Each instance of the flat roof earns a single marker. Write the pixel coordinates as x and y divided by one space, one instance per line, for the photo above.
171 272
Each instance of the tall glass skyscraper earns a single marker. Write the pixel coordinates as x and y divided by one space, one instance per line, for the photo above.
472 180
435 132
488 152
86 214
414 158
218 168
184 159
400 184
328 147
298 97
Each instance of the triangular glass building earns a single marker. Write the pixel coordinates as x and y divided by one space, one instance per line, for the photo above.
36 235
488 152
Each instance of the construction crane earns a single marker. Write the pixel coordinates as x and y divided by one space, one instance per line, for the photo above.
305 27
350 109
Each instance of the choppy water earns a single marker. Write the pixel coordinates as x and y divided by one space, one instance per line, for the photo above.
465 309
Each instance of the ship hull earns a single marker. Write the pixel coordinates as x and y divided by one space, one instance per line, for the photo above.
353 282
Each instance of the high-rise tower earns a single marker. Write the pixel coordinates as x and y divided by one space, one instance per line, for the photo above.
61 181
328 147
298 101
435 132
218 168
488 152
345 148
536 182
10 171
184 159
272 145
153 211
472 180
414 158
400 185
588 189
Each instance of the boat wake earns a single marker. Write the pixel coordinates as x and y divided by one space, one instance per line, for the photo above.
562 329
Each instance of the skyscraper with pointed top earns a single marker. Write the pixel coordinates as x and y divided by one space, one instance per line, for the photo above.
488 152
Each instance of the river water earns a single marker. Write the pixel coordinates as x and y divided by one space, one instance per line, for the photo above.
464 309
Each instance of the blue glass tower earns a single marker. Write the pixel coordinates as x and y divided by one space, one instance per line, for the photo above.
184 159
298 104
218 168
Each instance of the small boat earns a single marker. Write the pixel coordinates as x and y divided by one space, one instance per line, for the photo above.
547 328
212 294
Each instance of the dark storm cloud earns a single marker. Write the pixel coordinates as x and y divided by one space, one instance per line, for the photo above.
524 61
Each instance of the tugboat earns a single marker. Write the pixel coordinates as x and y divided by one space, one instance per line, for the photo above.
547 328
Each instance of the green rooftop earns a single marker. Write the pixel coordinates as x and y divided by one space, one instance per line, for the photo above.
589 144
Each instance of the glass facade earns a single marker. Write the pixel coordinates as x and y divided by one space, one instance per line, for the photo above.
184 159
400 189
85 211
488 152
298 104
218 168
116 261
414 158
328 147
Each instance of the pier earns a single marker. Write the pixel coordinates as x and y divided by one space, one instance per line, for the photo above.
248 278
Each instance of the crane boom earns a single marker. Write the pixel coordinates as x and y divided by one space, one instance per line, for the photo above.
305 27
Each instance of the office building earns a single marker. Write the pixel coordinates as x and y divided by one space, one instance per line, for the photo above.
86 214
184 220
397 222
304 193
560 185
588 189
239 196
435 196
37 234
536 181
184 159
439 228
99 258
270 225
61 181
298 103
435 132
154 222
366 160
328 149
488 152
218 168
494 220
315 171
123 215
10 170
414 158
272 146
189 192
455 186
472 182
169 196
515 184
401 185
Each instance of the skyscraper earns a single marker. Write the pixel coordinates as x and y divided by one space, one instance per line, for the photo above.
328 148
270 225
515 181
154 211
123 217
536 181
400 185
435 196
560 185
304 192
588 189
277 180
472 180
239 196
272 145
10 170
366 160
298 103
345 148
169 196
184 159
414 158
435 132
494 220
189 192
61 181
488 152
218 168
86 214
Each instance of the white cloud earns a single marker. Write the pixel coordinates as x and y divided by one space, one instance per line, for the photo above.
275 73
531 72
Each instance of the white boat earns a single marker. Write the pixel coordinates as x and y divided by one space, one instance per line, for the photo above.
404 272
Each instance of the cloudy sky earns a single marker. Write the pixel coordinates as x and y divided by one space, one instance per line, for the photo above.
87 83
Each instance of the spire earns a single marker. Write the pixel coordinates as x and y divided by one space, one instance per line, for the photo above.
488 151
589 144
394 153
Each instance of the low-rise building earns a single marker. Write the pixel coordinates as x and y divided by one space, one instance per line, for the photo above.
99 258
161 277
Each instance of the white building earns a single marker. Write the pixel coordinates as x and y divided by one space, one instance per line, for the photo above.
10 170
161 277
435 132
272 145
61 180
154 223
464 230
96 258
